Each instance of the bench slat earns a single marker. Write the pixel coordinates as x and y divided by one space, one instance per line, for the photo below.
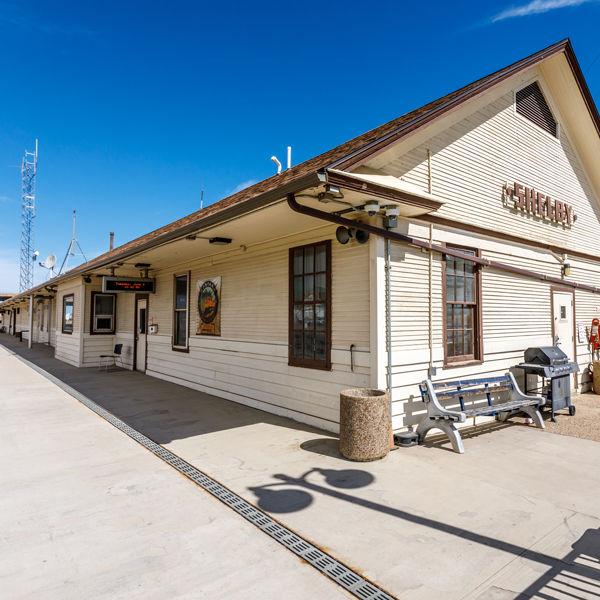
451 394
440 385
498 408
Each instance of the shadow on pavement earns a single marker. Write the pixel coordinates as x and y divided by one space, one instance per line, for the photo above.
576 575
161 410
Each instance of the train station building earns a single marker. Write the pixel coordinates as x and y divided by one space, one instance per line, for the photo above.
442 244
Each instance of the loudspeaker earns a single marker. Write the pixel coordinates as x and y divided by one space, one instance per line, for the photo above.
362 237
342 235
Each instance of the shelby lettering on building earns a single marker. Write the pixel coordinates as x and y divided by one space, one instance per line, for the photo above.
540 204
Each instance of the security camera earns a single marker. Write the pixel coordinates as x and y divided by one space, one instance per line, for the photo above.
371 208
391 216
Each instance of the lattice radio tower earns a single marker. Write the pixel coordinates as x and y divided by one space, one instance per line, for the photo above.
28 172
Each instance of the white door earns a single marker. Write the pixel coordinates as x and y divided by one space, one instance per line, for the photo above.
140 334
564 327
43 312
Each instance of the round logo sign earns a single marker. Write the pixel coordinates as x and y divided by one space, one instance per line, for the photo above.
208 302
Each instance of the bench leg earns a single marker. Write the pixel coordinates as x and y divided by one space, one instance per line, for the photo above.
534 413
426 425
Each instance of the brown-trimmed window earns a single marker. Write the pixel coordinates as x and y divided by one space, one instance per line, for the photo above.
310 306
68 312
180 311
103 313
462 310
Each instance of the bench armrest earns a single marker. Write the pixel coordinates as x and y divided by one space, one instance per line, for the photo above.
517 394
434 408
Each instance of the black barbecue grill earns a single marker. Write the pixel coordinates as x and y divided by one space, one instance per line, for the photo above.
550 362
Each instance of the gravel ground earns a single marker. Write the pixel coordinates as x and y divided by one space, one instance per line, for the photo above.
584 424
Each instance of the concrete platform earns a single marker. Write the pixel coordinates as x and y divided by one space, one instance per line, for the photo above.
516 516
87 513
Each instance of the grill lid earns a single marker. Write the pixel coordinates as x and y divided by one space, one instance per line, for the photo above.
547 355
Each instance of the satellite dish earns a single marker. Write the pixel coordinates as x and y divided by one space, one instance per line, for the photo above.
50 261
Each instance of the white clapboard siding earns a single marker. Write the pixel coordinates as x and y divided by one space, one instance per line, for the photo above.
22 321
68 346
94 346
473 160
516 315
410 297
248 363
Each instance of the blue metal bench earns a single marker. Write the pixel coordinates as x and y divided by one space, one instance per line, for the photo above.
455 392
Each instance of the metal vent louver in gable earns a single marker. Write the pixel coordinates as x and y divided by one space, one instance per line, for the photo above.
533 106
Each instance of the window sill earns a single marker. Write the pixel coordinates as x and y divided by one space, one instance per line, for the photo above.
180 349
464 363
317 367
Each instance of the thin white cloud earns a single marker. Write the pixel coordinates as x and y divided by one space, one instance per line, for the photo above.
537 7
243 186
14 15
6 199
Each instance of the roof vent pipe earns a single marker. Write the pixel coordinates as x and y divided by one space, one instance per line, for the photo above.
274 159
289 157
112 239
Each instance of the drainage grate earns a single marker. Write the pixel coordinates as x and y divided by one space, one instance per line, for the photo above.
335 570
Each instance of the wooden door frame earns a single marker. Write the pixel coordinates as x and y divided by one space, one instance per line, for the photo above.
555 288
145 297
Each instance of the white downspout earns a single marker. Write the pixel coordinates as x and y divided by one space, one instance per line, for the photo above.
389 331
430 303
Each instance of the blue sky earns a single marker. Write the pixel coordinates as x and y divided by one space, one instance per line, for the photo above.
137 105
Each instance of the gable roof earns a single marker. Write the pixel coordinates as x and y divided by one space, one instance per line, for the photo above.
346 156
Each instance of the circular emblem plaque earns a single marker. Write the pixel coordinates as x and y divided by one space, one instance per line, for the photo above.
208 302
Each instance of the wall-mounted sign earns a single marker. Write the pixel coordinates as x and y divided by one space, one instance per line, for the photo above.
209 306
128 285
528 199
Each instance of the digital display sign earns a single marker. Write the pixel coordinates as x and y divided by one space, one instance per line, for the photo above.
128 285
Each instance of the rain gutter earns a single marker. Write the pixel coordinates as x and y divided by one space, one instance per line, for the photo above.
307 181
429 247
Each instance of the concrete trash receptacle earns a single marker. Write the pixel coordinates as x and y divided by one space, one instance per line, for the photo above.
596 377
364 424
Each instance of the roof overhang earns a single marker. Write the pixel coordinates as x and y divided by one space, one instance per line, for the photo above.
367 151
313 179
378 184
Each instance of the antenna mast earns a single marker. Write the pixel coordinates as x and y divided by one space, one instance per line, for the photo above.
28 172
71 250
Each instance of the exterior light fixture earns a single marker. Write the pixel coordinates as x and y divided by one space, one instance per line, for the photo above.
566 269
87 279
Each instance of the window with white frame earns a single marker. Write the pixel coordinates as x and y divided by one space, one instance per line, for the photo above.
103 313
